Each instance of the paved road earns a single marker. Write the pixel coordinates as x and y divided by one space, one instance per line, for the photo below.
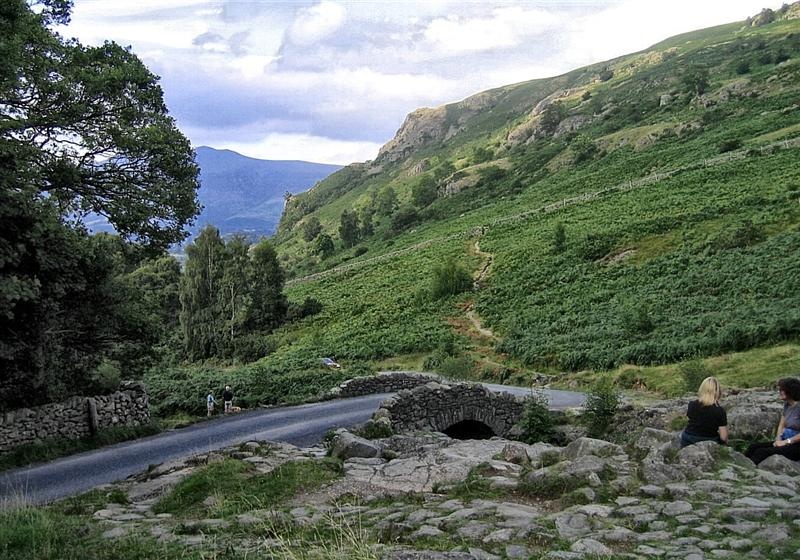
302 425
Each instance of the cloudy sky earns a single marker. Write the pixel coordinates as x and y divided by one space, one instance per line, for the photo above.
331 81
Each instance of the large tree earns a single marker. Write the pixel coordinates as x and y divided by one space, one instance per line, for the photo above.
82 129
89 127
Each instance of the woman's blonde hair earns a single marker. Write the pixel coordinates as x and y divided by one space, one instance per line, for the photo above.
709 392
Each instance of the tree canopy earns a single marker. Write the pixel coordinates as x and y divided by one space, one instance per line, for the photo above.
82 129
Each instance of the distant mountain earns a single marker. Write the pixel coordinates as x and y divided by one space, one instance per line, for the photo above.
240 194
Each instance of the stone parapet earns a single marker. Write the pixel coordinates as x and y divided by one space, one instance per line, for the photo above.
384 382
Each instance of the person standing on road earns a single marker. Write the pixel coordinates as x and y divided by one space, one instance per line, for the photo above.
210 402
227 398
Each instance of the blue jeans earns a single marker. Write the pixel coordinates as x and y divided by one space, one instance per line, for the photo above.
689 439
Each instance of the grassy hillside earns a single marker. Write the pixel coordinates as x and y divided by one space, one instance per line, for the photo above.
634 213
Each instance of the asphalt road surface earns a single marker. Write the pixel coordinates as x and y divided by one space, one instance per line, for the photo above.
302 425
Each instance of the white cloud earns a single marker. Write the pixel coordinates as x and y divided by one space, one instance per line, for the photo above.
316 23
506 27
329 81
306 147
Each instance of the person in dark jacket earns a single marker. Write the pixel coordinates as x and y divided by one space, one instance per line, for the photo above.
787 436
227 398
707 419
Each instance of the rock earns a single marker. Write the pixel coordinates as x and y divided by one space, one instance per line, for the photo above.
427 531
570 525
515 453
699 455
664 100
425 555
347 445
651 438
115 533
659 473
751 424
590 546
589 446
677 508
480 554
499 536
780 465
517 552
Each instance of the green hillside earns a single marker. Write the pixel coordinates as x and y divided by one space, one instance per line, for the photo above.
642 211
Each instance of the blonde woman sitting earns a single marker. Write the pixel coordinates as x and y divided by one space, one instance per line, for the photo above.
707 419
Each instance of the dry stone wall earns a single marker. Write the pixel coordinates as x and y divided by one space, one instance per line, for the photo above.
75 417
384 382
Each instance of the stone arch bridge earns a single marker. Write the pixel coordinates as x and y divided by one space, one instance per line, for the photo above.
450 408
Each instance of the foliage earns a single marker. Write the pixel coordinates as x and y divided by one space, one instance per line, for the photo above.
386 202
602 403
311 228
583 148
450 278
228 293
405 217
692 373
424 192
695 79
324 246
536 423
552 115
456 367
559 238
348 228
82 129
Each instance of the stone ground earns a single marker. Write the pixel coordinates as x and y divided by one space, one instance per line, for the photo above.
426 496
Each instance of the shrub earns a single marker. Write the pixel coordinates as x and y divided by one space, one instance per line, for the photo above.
636 319
602 402
536 423
450 278
743 67
297 311
743 235
559 238
692 373
459 367
729 145
595 246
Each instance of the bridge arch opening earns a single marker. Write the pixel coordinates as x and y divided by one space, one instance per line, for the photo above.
469 429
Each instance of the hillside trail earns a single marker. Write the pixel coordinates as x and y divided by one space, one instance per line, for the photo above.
622 187
479 278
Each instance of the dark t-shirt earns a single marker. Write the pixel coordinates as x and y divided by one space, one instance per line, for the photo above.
227 396
705 420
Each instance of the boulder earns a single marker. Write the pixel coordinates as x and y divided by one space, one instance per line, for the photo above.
700 455
752 424
589 446
347 446
651 438
780 465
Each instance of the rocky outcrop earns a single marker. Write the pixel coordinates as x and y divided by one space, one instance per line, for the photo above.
571 124
425 126
76 417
